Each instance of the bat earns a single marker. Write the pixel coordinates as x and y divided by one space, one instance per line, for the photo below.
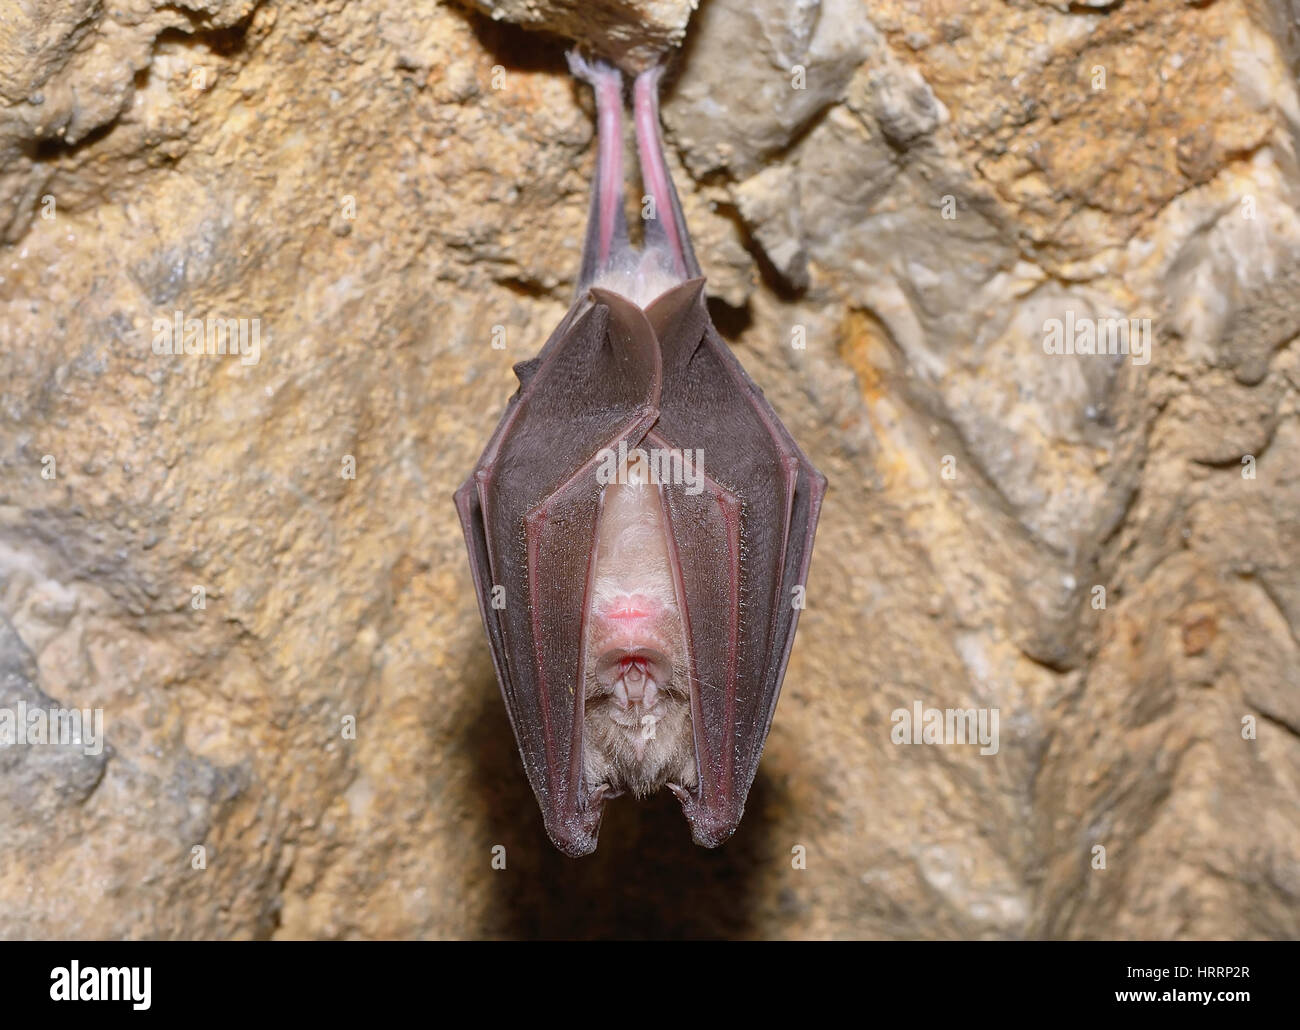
640 524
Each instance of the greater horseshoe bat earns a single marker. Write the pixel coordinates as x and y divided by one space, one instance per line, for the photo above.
639 526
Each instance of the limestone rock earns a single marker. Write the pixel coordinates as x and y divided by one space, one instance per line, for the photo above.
632 33
251 565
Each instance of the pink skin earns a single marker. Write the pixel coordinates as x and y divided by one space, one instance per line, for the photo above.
628 635
607 239
606 82
654 172
608 85
635 684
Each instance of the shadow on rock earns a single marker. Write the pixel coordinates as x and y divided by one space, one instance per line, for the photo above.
646 879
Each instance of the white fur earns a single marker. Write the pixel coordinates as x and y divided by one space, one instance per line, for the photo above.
629 746
640 275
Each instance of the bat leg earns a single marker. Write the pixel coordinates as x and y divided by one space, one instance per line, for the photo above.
606 222
666 228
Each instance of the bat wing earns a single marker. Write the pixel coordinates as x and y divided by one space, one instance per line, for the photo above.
742 545
530 526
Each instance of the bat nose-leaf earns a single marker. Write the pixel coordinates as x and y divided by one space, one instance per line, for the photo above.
614 664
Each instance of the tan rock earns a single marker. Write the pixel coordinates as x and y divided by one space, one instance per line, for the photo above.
251 564
633 33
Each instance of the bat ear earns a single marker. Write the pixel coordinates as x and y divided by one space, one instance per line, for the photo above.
633 338
678 318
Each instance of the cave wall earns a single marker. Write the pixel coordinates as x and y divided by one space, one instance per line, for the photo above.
238 560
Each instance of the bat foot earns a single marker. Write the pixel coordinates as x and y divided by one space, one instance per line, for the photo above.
648 79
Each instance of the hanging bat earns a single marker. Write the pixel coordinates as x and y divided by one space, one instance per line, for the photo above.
639 526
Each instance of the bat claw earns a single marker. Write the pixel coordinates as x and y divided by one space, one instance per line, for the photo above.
590 71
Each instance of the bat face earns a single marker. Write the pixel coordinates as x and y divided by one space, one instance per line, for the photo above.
639 527
637 732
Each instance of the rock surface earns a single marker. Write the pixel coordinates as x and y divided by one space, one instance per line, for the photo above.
632 33
253 567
